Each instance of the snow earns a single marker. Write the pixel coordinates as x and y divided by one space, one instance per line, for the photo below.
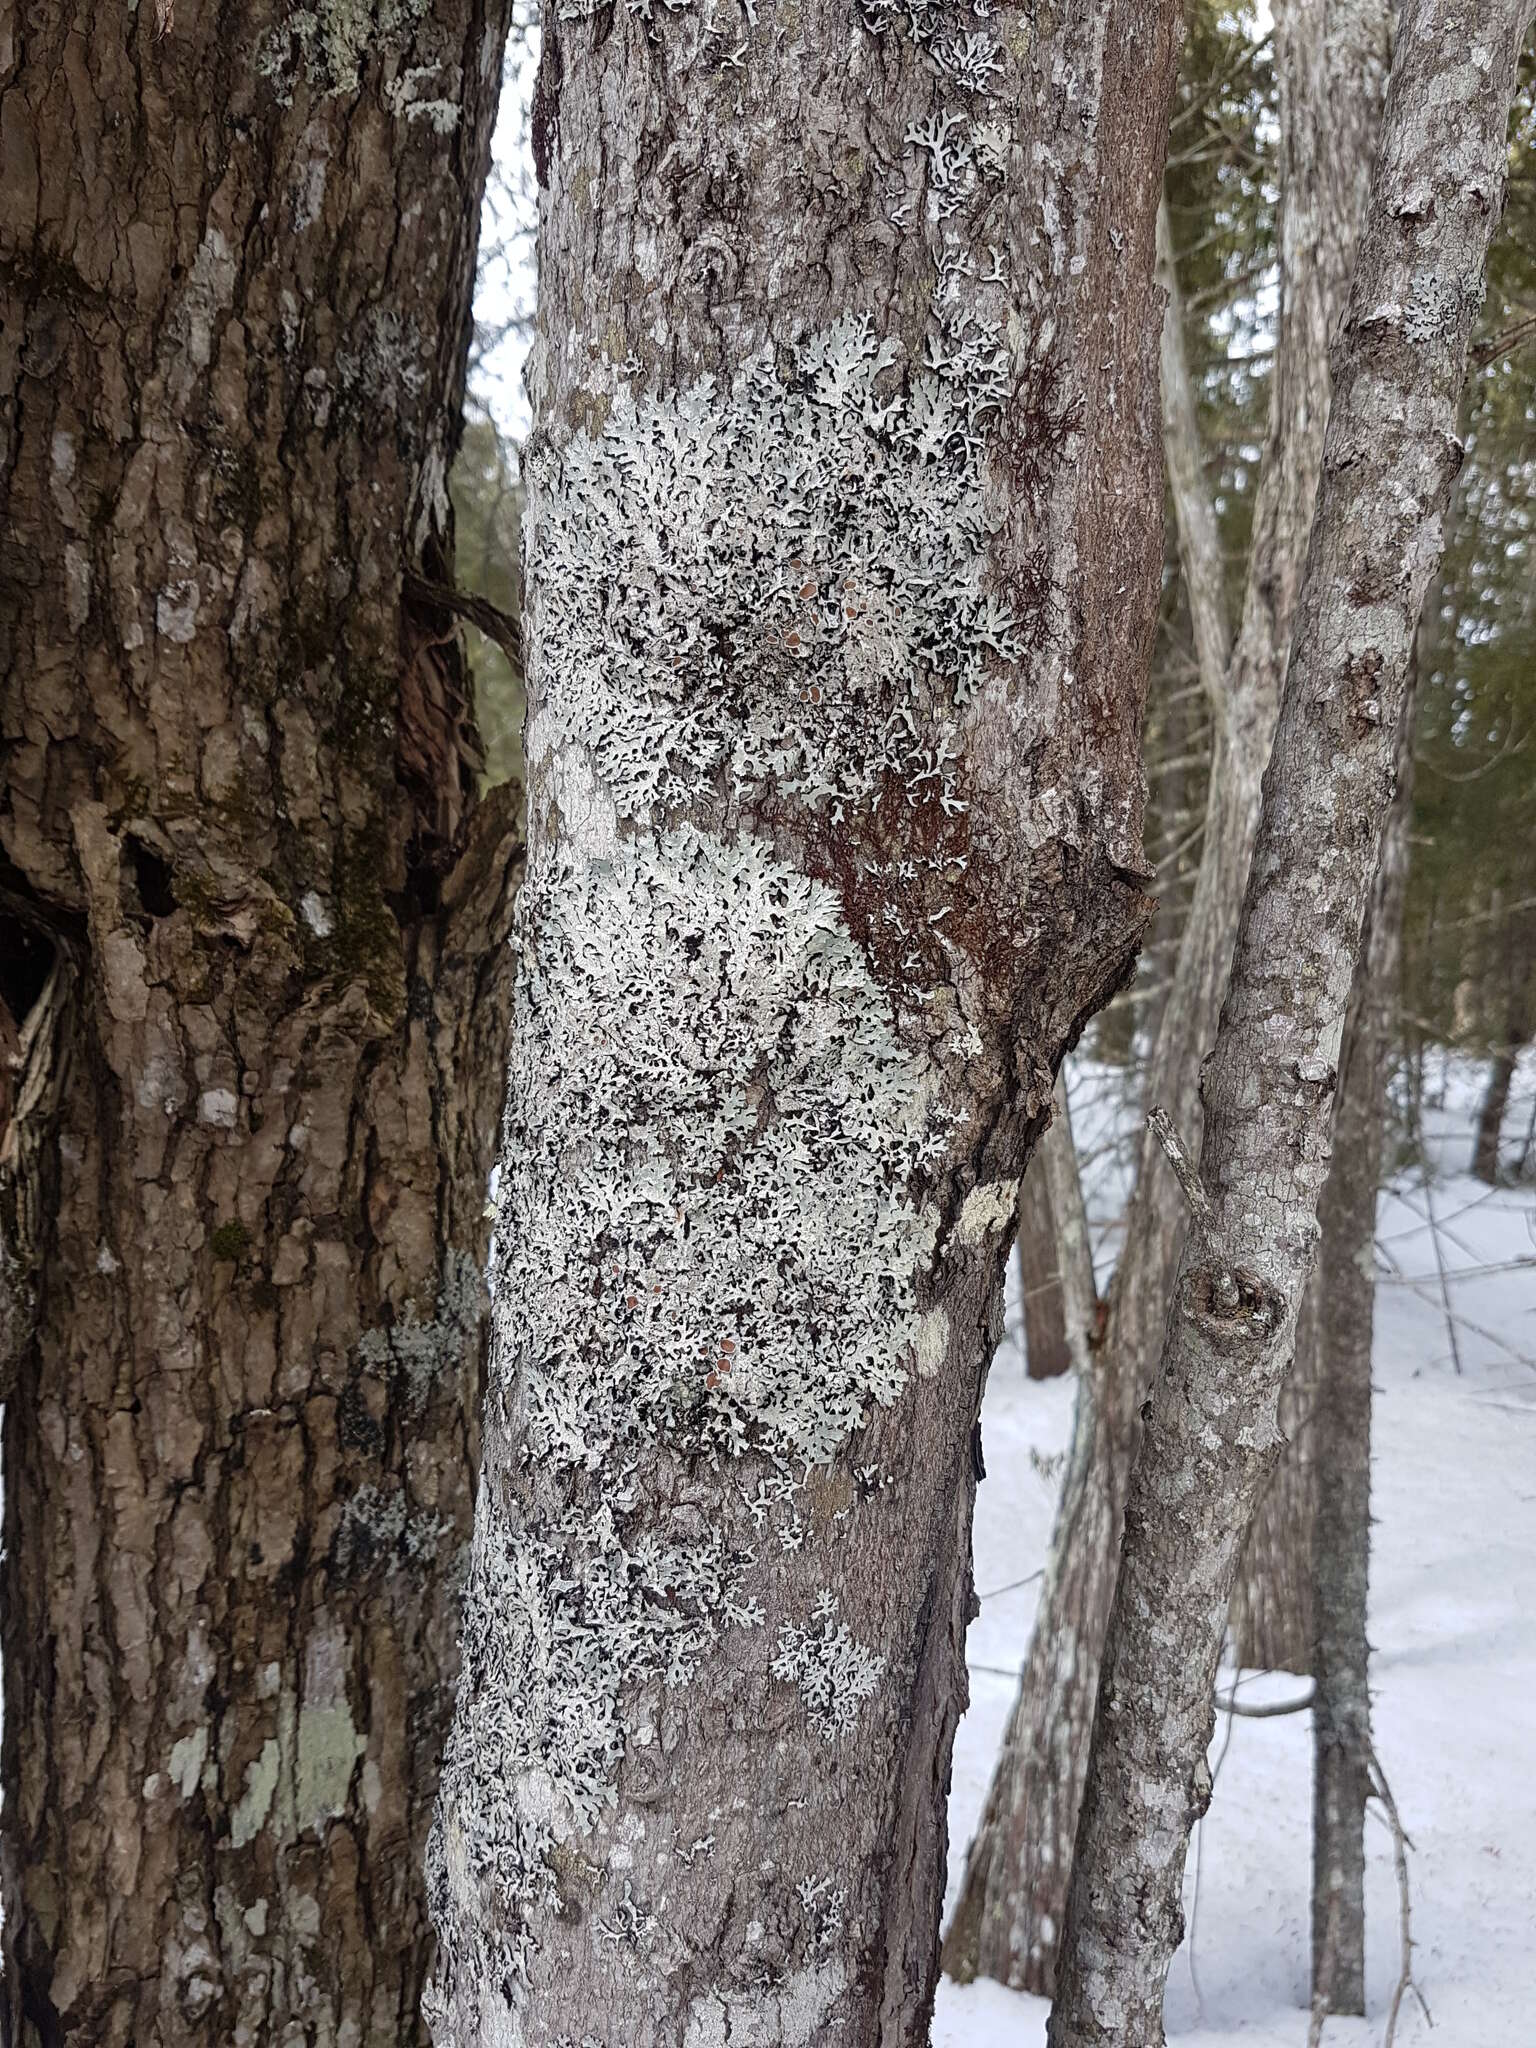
1453 1626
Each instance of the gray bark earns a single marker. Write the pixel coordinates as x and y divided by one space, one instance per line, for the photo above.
1339 1324
1331 69
1211 1437
842 559
242 1172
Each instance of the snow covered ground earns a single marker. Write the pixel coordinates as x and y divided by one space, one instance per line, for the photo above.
1453 1627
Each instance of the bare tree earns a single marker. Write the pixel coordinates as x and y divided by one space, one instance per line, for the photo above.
252 939
842 569
1211 1437
1330 66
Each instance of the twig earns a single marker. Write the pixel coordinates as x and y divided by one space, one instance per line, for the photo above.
1185 1172
1445 1290
1264 1710
1013 1585
1401 1844
494 623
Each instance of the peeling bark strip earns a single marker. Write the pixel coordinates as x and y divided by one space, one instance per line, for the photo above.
1331 67
842 555
265 1037
1390 458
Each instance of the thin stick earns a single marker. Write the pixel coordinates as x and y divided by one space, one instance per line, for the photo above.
1445 1288
1268 1711
1401 1844
1185 1172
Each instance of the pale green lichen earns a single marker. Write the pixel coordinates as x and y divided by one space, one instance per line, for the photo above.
332 41
328 1749
186 1765
255 1802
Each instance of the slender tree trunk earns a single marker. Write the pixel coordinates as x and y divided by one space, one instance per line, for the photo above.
1330 72
1517 965
1341 1297
1056 1166
241 1190
1046 1352
1211 1436
842 564
1490 1120
1271 1622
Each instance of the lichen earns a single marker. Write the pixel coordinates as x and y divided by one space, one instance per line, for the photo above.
805 564
708 1073
988 1209
331 41
421 1352
835 1672
255 1802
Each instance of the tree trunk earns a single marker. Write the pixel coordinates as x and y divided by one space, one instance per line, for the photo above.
1490 1121
242 1187
1211 1436
841 580
1056 1167
1046 1354
1342 1298
1330 75
1271 1622
1517 959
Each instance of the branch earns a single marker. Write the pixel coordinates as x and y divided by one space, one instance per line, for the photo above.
495 624
1401 1844
1263 1710
1185 1172
1501 344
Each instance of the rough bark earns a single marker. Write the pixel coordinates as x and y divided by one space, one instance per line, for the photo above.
1330 68
241 1190
1211 1436
1046 1352
842 561
1341 1298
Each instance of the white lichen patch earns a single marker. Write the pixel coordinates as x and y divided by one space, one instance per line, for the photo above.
710 1079
186 1765
932 1342
804 568
553 1631
835 1672
988 1209
701 1045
